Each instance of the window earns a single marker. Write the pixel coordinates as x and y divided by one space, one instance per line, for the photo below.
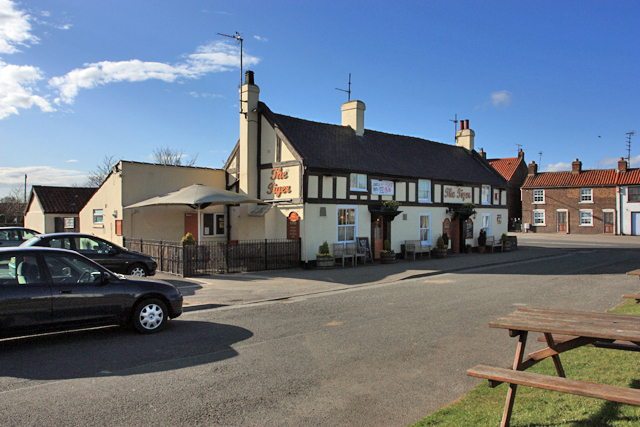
67 268
358 182
539 217
425 228
538 196
486 223
18 269
424 190
634 194
586 218
586 195
346 224
91 245
214 224
486 194
97 216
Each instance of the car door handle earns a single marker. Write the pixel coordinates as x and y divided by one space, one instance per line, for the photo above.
66 291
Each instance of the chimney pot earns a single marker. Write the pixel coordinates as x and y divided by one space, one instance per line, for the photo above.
248 78
466 124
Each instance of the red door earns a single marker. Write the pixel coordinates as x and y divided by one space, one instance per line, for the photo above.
191 225
377 237
608 222
562 222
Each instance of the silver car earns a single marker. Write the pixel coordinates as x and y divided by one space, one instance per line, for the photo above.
14 236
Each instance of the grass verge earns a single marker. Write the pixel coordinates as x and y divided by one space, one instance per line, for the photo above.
483 406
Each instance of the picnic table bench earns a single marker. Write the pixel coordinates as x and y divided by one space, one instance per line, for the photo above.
629 296
563 330
491 241
416 246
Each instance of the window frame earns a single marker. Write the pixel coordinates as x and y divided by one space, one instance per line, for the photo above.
429 228
541 197
637 196
427 183
95 216
487 228
586 224
358 182
344 226
485 195
214 227
583 196
544 217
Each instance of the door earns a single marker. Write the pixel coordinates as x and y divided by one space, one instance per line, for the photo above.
25 297
191 225
378 240
635 223
608 222
77 291
562 221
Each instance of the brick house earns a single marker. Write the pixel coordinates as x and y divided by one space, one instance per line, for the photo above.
515 171
577 201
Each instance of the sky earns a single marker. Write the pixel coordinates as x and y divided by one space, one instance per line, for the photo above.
84 80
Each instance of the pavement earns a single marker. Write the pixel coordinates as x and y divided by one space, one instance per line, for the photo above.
222 290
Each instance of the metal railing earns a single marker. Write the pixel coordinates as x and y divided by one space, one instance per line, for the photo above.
219 257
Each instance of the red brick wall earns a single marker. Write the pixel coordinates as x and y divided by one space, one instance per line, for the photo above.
569 199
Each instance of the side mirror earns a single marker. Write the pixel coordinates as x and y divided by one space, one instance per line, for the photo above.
105 278
112 252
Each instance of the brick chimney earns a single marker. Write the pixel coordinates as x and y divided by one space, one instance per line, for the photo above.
622 165
576 167
482 154
465 136
520 153
533 168
353 116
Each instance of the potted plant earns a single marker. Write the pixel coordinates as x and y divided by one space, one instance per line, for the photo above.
390 205
188 240
441 248
325 258
387 255
506 243
482 241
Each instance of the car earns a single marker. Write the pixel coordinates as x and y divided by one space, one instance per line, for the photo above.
15 236
47 289
109 255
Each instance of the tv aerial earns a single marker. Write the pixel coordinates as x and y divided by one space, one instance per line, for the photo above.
348 91
239 40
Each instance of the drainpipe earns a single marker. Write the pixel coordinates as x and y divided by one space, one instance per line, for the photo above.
619 216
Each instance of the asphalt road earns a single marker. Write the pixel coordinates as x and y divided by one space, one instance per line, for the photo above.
382 355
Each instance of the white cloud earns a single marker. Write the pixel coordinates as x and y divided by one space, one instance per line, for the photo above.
558 167
214 57
497 99
260 39
635 161
608 163
11 178
71 161
15 29
17 83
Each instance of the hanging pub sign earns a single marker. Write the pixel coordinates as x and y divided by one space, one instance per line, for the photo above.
293 226
280 183
455 194
382 188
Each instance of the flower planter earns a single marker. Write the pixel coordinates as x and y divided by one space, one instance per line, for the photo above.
387 258
324 262
439 253
506 247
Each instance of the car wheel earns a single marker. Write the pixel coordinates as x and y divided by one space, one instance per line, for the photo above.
150 316
137 270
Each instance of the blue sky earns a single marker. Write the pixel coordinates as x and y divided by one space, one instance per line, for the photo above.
81 80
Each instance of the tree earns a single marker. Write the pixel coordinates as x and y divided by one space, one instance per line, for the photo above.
96 177
14 205
170 157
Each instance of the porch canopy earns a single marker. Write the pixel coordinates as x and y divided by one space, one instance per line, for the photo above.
198 197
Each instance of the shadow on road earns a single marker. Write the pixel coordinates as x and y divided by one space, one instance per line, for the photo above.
117 351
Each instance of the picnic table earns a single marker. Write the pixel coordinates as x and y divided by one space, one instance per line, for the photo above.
563 330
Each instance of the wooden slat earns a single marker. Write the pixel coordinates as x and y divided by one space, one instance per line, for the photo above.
568 322
634 273
612 393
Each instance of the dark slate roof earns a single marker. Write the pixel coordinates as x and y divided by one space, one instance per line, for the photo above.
333 147
63 199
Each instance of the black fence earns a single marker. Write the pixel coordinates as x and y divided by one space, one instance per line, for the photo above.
210 258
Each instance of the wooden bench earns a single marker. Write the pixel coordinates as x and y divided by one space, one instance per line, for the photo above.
416 246
635 297
491 241
612 393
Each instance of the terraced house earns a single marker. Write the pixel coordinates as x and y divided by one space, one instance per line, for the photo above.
582 201
326 182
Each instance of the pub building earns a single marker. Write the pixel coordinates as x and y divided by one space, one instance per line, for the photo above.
325 182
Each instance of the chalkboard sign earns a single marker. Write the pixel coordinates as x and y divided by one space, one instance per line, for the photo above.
363 244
